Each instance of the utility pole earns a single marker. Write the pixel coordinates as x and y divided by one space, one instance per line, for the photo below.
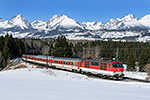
47 60
20 52
52 51
117 52
84 53
26 52
33 52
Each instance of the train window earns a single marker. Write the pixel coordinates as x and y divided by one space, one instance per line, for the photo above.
114 65
82 63
117 65
120 65
61 62
95 63
71 63
103 66
109 65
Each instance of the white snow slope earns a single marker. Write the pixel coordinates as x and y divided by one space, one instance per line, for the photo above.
41 84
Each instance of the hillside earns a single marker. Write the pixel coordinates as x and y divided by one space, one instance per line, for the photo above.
42 84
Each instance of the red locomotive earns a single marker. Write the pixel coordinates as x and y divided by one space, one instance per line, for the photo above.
107 68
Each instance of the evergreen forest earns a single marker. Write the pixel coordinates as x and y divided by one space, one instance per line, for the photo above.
130 53
9 48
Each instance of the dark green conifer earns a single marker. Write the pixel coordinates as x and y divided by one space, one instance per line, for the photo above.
62 48
131 61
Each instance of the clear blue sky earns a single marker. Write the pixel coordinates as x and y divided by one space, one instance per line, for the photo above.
80 10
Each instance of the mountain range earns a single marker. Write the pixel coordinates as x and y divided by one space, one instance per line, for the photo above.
128 28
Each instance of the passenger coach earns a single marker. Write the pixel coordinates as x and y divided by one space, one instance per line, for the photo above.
102 67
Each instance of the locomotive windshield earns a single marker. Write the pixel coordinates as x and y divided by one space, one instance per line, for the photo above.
117 65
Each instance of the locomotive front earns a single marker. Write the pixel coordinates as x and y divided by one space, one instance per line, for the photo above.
117 68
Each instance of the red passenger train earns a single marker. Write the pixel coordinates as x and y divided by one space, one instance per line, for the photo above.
102 67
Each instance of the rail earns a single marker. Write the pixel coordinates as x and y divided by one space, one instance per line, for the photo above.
135 79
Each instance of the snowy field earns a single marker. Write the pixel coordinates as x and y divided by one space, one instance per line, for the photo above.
49 84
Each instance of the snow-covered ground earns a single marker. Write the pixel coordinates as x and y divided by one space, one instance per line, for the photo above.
49 84
136 74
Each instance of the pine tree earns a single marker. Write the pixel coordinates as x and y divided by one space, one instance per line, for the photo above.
6 50
131 61
62 48
2 41
125 54
143 59
121 55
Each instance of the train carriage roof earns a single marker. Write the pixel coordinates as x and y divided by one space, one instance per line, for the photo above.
39 56
68 59
104 61
56 58
72 59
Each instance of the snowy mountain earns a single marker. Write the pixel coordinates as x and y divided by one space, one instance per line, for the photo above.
93 25
19 21
128 28
2 20
127 22
2 23
38 24
62 22
16 22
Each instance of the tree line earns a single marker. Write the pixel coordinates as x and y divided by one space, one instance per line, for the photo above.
10 48
130 53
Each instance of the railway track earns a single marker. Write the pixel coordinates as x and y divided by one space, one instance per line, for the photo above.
137 80
126 79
